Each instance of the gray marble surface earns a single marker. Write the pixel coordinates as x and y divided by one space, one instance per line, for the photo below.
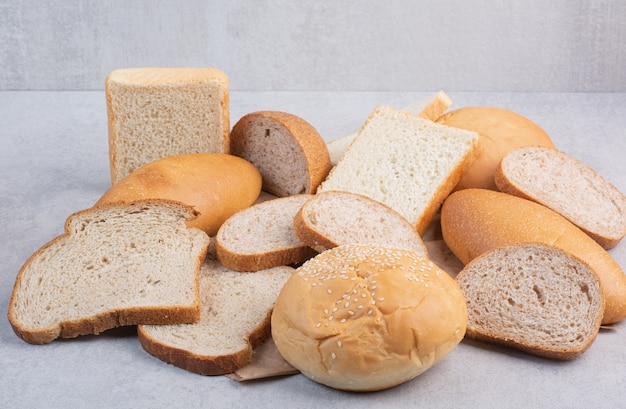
54 161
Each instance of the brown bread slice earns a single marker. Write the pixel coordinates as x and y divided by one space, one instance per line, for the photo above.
535 298
118 264
235 311
567 186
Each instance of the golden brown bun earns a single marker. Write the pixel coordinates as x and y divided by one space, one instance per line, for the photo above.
216 185
365 318
475 221
500 132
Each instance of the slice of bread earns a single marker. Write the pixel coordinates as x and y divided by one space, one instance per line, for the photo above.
262 236
159 112
335 218
235 311
535 298
288 151
429 108
408 163
119 264
567 186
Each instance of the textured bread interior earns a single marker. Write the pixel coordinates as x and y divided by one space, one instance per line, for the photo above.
156 113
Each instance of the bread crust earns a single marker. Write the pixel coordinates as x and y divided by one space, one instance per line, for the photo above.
475 221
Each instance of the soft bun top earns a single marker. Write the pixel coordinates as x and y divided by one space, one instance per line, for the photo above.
365 318
500 132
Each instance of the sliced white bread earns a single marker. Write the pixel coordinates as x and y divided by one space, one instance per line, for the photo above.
429 108
288 151
235 312
567 186
335 218
262 236
405 162
119 264
157 112
535 298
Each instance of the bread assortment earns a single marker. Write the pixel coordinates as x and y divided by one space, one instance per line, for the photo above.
334 258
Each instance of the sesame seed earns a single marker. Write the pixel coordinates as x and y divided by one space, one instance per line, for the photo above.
325 311
329 291
319 324
347 304
350 312
369 312
333 355
356 300
335 309
381 299
343 320
331 318
339 343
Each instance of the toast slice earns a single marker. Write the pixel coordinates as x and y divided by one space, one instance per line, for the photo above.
334 218
567 186
118 264
235 312
262 236
535 298
408 163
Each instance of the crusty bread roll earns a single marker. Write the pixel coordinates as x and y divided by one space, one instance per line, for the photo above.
216 185
288 151
567 186
155 112
533 297
475 221
366 318
500 131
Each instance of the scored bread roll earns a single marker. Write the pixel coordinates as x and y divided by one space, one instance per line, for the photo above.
216 185
476 221
366 318
155 112
500 132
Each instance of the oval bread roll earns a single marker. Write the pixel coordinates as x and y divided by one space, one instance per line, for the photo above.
500 132
476 221
366 318
216 185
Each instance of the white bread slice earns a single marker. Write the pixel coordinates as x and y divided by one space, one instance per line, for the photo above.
408 163
335 218
262 236
288 151
429 108
157 112
118 264
567 186
535 298
235 312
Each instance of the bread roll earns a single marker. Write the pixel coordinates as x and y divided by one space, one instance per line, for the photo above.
500 131
366 318
475 221
216 185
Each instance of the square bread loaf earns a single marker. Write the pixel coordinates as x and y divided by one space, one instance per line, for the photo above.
159 112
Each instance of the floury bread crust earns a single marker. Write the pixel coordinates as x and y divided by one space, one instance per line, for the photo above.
288 151
157 112
120 264
405 162
477 221
568 187
235 311
534 298
366 318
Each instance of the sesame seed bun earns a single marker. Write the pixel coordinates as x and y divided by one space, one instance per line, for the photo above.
367 318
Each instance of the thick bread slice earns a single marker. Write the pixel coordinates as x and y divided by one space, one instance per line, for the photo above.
262 236
568 187
288 151
429 108
235 312
534 298
119 264
408 163
334 218
159 112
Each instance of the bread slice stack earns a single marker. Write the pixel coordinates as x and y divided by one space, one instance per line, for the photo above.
405 162
155 112
119 264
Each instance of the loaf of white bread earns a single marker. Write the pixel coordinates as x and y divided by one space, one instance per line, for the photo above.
155 112
405 162
118 264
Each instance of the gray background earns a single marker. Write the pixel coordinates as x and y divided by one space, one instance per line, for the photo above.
285 45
